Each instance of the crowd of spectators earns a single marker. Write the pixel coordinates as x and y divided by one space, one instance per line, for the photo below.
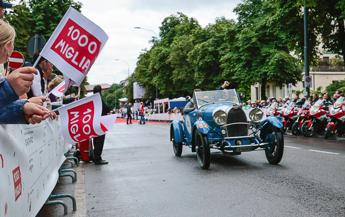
281 102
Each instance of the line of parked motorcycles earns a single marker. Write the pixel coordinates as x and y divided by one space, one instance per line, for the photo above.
311 119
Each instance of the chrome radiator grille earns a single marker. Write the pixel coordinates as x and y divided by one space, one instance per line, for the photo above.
235 115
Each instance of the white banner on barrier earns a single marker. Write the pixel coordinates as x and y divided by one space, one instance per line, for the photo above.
30 156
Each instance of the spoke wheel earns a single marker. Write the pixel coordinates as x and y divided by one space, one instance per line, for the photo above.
202 150
177 147
274 151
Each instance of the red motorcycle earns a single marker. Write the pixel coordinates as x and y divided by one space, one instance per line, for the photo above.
289 115
317 120
302 116
336 125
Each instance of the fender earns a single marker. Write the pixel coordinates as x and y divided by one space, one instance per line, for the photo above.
176 128
201 126
331 124
275 121
309 123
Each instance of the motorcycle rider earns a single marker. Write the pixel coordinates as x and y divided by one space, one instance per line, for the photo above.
327 101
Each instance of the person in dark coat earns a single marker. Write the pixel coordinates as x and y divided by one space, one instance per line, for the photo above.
98 142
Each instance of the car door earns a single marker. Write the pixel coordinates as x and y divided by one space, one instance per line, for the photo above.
189 120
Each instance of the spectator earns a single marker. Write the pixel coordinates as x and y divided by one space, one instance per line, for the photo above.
52 84
142 113
3 6
129 113
337 94
12 110
39 85
98 142
327 101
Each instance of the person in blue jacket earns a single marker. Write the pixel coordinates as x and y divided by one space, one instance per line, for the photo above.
12 109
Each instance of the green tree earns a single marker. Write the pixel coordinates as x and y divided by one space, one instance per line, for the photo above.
336 85
260 52
113 94
37 17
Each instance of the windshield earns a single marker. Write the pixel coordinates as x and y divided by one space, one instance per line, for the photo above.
339 102
215 96
318 103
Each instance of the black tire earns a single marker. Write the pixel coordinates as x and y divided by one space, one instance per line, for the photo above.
203 153
306 131
294 129
177 147
274 152
328 132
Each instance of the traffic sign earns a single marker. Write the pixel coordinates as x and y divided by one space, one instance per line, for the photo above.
16 60
36 44
308 81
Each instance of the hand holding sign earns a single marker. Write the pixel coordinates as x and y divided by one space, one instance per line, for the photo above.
21 79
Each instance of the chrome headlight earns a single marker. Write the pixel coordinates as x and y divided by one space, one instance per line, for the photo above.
256 115
220 117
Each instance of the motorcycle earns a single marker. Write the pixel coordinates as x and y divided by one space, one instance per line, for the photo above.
289 114
302 116
317 120
336 124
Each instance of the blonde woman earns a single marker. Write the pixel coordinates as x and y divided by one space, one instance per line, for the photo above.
12 110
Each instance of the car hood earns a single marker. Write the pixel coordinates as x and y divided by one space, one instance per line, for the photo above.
207 110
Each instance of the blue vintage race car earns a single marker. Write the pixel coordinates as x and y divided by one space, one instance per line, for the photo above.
215 119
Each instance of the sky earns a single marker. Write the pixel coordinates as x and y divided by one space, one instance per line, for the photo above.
119 17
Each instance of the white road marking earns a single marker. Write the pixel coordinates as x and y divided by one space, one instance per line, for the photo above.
293 147
324 152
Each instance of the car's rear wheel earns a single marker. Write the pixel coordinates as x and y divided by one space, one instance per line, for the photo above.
203 153
274 151
177 146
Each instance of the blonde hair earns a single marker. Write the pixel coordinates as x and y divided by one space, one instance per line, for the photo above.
55 82
7 33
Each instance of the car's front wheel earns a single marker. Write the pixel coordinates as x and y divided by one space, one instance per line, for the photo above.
203 153
274 151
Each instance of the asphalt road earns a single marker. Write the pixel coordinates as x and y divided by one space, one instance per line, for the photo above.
144 179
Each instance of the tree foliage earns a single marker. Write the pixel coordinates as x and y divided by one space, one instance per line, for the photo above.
37 17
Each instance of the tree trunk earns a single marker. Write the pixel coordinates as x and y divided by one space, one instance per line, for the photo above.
263 89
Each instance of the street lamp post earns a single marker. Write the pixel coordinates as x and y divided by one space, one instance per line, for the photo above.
155 37
127 65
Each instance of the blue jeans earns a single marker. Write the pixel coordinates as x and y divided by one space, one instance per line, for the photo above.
142 119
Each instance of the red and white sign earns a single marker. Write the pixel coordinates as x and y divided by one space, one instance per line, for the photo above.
81 120
59 90
107 122
16 60
17 182
74 45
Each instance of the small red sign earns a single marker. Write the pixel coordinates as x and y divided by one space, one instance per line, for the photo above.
16 60
17 181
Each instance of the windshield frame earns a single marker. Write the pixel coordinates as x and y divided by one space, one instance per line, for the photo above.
214 96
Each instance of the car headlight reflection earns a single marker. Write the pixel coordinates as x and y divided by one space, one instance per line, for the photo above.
256 115
220 117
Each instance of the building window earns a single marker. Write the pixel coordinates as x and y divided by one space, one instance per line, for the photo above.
257 93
